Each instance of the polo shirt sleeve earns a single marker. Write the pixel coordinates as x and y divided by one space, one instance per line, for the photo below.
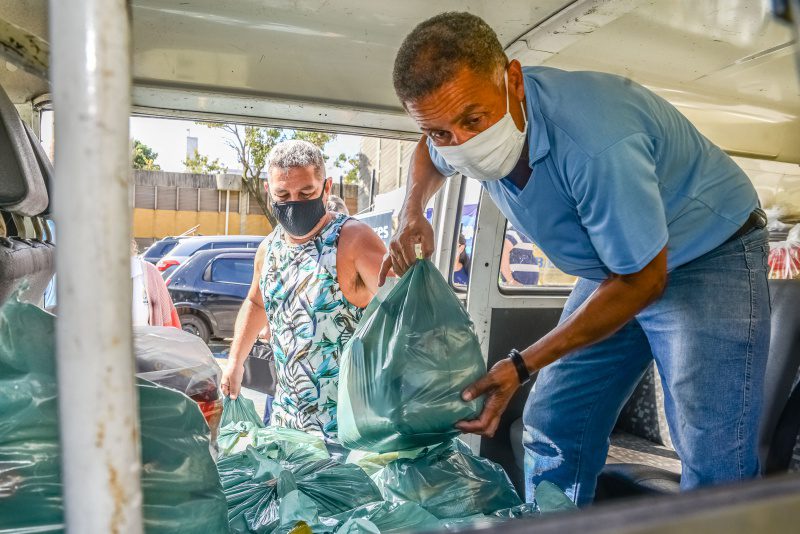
439 162
619 204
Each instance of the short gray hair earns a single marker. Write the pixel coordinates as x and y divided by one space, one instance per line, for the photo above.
296 153
439 47
338 205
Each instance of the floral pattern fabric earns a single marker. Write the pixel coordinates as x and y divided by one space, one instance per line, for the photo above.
311 321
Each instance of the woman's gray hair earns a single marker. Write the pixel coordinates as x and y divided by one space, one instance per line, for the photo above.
338 205
438 48
296 153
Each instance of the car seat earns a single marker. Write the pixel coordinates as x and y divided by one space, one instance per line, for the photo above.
27 254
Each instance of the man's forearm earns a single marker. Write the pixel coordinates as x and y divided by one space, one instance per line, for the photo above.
249 323
424 180
607 310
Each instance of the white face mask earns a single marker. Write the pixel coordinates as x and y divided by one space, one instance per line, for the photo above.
493 153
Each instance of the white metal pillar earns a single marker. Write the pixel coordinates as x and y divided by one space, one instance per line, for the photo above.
98 409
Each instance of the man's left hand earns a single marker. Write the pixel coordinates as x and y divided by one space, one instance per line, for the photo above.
499 385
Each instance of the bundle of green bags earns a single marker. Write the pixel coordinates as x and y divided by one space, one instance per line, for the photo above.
401 378
180 484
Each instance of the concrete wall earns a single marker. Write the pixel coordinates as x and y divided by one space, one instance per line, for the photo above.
155 224
150 225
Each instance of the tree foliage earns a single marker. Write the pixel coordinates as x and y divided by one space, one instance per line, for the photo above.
252 145
200 164
349 166
144 157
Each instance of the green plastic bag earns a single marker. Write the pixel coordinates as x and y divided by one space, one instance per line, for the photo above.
372 462
255 485
234 437
298 510
280 442
390 517
449 482
472 522
358 525
276 442
550 498
181 488
402 373
238 410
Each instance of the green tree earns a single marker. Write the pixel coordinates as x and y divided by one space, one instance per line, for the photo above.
200 164
252 145
349 166
144 157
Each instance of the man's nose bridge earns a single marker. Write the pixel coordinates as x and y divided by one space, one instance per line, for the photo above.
460 137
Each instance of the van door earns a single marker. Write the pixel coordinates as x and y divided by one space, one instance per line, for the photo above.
508 313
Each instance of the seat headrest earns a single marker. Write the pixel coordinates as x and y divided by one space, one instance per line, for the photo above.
45 167
22 187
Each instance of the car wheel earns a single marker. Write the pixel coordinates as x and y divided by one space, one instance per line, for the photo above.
196 325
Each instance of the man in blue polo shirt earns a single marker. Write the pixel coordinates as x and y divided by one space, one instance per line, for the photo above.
617 187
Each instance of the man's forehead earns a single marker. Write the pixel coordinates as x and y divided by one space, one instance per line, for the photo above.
467 92
295 176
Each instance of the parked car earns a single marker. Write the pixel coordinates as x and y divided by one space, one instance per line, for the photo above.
208 290
190 245
160 248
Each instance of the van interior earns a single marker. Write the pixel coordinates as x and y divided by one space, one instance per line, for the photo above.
729 65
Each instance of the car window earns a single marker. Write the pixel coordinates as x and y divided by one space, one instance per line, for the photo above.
164 248
232 270
524 265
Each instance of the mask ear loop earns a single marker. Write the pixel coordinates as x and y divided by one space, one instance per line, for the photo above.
508 106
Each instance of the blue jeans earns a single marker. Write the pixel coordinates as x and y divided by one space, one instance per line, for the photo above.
709 336
268 410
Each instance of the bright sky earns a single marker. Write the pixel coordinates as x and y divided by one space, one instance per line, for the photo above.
168 138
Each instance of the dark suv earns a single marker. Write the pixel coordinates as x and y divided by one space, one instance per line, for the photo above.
208 290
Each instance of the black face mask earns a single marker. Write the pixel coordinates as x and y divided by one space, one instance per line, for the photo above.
299 217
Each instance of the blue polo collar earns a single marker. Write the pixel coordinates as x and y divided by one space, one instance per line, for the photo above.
538 140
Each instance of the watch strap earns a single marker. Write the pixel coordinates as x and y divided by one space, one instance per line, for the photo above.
519 364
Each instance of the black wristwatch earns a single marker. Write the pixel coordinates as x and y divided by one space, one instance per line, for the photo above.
519 363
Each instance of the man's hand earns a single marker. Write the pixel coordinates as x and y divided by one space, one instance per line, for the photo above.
414 229
499 385
232 380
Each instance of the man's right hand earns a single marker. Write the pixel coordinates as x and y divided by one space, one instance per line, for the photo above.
232 380
414 229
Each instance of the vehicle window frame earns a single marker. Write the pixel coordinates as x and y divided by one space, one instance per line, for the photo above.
543 291
459 289
207 272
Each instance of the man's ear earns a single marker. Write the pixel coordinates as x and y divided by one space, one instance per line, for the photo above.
516 82
326 189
